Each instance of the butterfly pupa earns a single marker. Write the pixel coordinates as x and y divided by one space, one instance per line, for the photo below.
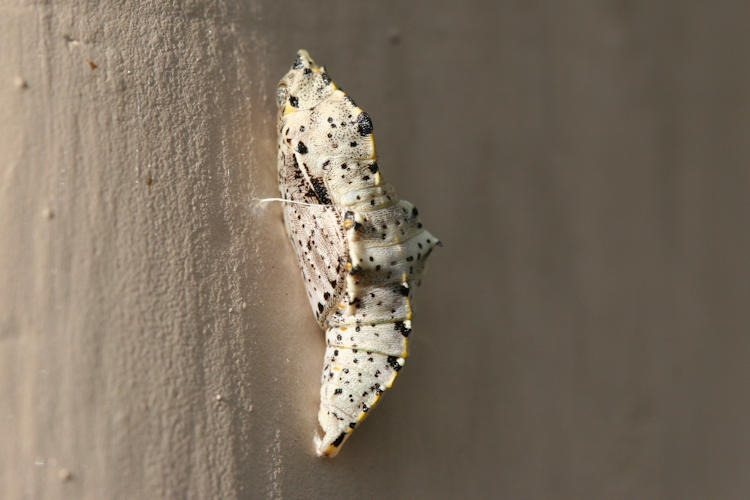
361 249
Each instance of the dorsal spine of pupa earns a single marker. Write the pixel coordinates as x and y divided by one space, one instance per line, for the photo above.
361 249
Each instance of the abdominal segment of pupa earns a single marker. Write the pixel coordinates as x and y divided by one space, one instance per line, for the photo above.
361 249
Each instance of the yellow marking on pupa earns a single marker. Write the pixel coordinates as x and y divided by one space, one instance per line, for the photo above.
390 383
408 303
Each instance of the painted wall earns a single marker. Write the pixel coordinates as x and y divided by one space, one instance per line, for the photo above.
582 334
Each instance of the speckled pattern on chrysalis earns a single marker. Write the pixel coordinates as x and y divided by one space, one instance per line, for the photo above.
361 249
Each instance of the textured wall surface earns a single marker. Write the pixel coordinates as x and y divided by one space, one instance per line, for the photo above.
582 334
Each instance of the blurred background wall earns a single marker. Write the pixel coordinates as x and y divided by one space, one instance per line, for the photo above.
582 334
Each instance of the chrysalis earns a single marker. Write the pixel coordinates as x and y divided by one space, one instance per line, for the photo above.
361 249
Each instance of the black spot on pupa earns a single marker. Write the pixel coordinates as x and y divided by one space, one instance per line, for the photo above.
320 190
393 362
307 71
403 290
353 425
326 295
301 148
326 78
333 283
414 212
364 124
373 167
297 62
339 439
353 144
294 101
321 307
337 391
401 327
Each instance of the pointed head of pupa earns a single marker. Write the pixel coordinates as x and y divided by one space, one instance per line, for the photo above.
305 85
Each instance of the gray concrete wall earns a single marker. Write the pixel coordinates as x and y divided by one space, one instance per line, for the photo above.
582 334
